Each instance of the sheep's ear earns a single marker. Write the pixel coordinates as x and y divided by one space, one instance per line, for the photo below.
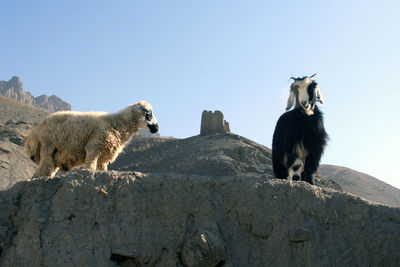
290 101
144 110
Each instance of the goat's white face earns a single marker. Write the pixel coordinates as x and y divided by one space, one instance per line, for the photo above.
307 93
148 120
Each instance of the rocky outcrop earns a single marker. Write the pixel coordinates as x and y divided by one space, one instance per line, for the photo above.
14 89
213 122
135 219
52 103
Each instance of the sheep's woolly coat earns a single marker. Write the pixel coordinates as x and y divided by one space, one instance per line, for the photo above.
69 139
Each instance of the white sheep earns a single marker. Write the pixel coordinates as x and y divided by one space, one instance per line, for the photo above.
70 139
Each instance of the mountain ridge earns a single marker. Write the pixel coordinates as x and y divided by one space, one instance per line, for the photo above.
14 89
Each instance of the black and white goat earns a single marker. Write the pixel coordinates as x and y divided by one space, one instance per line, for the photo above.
300 138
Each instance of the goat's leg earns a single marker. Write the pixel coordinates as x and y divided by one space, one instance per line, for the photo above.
307 177
295 167
280 171
311 167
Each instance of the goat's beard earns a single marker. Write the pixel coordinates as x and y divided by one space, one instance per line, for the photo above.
309 112
309 108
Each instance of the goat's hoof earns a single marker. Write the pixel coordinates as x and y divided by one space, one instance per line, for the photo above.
296 178
310 181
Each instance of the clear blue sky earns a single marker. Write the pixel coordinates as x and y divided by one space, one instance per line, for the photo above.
234 56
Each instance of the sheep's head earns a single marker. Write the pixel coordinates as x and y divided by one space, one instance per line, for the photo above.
148 120
307 94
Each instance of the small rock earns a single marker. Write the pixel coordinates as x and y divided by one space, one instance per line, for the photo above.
205 249
299 235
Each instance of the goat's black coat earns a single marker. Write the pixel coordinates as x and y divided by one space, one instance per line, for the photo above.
292 128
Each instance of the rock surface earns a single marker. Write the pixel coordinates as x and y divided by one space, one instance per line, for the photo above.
213 122
14 89
134 219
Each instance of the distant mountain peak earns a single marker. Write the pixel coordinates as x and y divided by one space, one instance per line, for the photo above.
15 80
14 89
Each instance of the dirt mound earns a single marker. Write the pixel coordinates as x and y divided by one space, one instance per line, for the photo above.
218 154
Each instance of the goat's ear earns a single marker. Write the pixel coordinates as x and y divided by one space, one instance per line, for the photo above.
319 96
290 101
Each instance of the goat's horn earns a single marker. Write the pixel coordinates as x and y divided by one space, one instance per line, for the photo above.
313 75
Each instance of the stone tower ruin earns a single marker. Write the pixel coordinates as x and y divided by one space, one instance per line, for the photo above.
213 122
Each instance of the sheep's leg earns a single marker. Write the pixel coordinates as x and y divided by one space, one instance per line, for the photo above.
92 155
47 166
91 161
101 166
46 169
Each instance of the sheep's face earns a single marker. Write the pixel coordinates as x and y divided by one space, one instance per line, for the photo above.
307 93
148 120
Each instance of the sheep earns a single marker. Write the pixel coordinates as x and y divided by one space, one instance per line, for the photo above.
68 139
300 138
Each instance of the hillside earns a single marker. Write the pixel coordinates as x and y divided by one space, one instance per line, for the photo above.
16 120
15 111
362 184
